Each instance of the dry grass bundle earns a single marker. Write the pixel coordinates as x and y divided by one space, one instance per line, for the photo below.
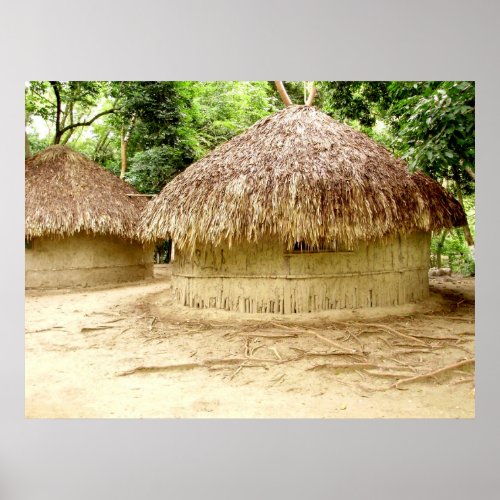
66 193
300 176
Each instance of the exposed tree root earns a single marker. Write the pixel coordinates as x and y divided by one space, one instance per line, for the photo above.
267 335
453 318
395 332
432 373
430 337
343 366
97 327
334 344
209 363
413 340
60 328
304 353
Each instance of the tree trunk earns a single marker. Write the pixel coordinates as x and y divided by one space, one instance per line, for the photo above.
101 144
439 249
125 137
471 173
58 134
27 149
66 137
468 235
68 112
124 144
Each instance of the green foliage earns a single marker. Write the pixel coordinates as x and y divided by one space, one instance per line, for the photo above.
154 107
164 251
38 144
430 124
150 170
79 102
37 100
455 253
454 250
470 210
295 91
221 110
175 123
433 124
353 101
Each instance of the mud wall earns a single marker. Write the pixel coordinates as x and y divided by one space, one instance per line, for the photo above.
85 260
264 278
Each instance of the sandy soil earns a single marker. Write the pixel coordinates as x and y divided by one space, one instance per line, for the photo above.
130 352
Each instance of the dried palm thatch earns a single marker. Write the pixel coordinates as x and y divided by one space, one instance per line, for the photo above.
66 193
300 176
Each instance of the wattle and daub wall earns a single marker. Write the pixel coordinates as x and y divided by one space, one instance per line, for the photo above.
85 260
264 278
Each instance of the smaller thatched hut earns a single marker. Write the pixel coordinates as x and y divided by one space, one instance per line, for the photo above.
300 213
80 224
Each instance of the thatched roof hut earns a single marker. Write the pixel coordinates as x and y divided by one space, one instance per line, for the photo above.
81 224
298 179
298 175
66 193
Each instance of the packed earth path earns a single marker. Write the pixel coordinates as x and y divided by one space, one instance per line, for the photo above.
131 352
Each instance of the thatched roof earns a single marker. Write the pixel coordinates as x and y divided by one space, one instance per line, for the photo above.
301 176
65 193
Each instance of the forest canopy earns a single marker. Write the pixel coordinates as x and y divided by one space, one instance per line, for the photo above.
148 131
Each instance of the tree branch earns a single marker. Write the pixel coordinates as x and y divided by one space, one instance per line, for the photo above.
43 97
85 124
72 126
101 143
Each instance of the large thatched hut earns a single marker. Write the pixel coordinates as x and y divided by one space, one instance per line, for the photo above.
300 213
80 224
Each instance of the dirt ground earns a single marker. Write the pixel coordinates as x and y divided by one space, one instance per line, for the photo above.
131 352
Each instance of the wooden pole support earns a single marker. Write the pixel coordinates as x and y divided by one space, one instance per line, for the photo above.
282 92
311 95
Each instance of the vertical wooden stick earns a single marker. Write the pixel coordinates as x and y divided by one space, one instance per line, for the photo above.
282 92
311 95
